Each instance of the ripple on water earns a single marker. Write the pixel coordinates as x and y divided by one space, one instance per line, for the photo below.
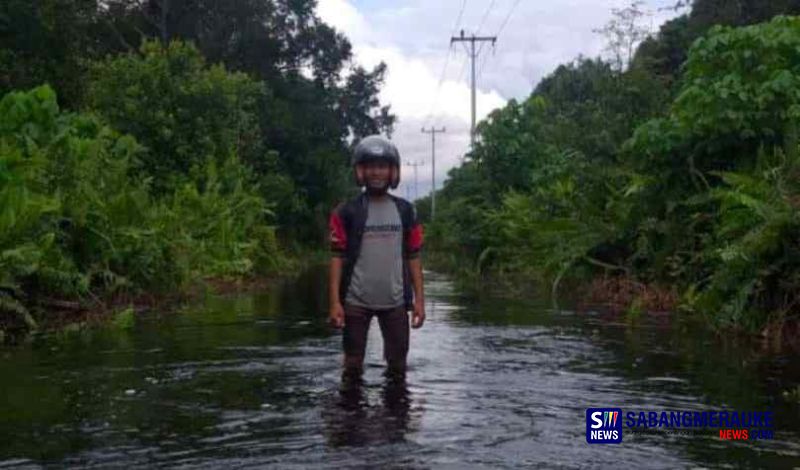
499 387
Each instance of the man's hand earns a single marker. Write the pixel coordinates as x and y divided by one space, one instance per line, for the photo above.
418 317
336 315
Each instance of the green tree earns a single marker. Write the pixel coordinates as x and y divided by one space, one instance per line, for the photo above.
183 111
665 53
590 107
742 88
47 41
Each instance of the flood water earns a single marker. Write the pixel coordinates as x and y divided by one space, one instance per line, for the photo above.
251 381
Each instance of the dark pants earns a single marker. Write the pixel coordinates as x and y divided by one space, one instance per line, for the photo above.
394 325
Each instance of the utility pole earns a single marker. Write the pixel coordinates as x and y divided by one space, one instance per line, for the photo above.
433 133
472 55
416 181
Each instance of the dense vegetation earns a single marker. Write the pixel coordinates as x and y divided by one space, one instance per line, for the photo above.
678 169
147 144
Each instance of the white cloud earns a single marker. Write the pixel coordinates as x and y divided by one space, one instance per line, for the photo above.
342 15
411 82
412 36
411 86
411 89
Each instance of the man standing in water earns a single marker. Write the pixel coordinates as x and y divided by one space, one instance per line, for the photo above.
375 269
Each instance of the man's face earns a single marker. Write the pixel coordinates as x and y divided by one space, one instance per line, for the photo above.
377 174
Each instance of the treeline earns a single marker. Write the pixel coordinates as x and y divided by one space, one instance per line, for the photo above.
147 143
676 170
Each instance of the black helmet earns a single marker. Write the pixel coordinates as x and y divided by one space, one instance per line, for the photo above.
376 147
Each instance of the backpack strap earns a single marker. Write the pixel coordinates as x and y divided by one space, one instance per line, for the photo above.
412 229
407 213
353 215
408 220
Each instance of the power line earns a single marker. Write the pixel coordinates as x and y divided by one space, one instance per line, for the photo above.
446 61
472 40
485 15
499 31
439 85
433 133
463 71
415 164
460 15
480 26
483 64
508 17
462 74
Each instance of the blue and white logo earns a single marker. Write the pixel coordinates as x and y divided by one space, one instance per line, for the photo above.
603 425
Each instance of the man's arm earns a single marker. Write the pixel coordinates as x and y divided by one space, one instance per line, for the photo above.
415 266
338 244
336 311
413 248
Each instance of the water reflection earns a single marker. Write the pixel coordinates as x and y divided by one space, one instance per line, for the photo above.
255 381
358 418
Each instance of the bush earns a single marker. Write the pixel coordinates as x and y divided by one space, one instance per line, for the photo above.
78 222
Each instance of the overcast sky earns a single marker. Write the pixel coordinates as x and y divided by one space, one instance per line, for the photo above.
413 38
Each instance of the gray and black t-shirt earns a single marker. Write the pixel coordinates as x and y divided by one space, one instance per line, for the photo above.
377 280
